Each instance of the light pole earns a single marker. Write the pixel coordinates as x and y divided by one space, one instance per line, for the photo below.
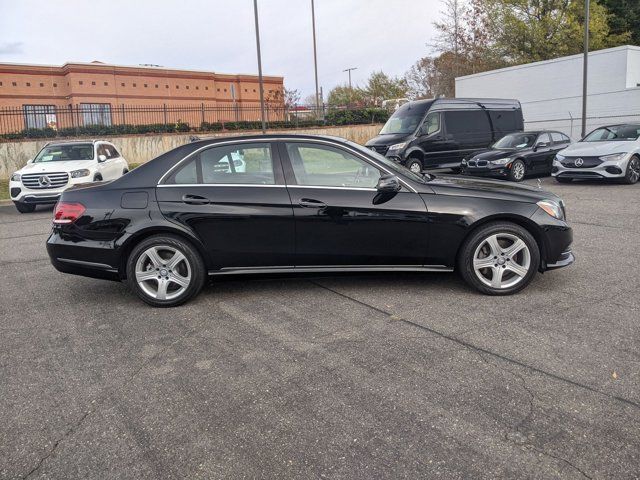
585 68
255 11
315 55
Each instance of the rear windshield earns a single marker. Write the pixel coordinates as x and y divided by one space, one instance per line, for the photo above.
615 133
63 153
405 120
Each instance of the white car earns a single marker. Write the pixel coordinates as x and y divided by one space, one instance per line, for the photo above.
607 152
60 165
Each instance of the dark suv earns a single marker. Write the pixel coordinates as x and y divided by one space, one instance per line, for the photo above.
517 155
438 133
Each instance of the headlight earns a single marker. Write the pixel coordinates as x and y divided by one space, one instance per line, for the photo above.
398 146
552 208
15 177
80 173
559 157
614 157
464 161
501 161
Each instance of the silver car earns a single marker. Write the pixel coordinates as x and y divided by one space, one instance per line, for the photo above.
607 152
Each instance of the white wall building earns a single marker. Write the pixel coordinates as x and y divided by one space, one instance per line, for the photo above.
551 91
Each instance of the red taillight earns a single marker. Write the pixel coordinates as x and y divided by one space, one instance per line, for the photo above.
67 212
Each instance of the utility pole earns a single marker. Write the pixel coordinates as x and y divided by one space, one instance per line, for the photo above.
255 11
349 71
585 68
315 55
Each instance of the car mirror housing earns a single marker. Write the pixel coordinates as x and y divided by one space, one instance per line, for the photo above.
388 183
102 158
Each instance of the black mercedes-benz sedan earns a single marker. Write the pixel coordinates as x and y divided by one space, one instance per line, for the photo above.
517 155
293 203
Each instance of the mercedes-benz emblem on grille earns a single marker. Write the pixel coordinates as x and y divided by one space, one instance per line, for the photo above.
579 162
44 181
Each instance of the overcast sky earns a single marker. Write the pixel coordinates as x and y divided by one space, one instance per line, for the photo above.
218 35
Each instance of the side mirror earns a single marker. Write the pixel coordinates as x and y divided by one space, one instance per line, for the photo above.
102 158
388 183
541 145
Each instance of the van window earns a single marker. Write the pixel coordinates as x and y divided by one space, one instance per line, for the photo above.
405 120
470 128
431 124
505 121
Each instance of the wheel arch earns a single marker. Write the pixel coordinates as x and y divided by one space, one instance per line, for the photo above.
144 233
520 220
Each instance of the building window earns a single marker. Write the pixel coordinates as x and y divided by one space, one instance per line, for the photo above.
42 84
218 90
0 84
55 85
156 85
187 87
145 85
122 84
135 84
81 82
197 87
96 113
15 84
28 84
246 90
254 90
206 88
166 86
178 86
93 83
106 84
39 116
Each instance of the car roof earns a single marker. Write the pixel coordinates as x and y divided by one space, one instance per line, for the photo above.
71 142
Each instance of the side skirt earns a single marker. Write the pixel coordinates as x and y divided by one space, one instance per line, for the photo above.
330 268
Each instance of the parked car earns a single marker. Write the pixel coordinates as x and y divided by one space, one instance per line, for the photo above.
608 152
60 165
517 155
305 204
427 134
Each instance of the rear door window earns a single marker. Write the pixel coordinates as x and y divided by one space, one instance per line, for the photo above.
469 127
558 137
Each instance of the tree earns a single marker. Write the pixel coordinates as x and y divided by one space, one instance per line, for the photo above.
381 86
624 18
533 30
344 95
291 97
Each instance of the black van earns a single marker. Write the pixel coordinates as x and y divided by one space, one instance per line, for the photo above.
438 133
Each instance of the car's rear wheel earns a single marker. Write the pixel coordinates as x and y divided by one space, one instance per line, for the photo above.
25 207
563 180
518 171
499 259
632 174
165 271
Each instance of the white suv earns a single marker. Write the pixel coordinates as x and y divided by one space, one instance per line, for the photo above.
60 165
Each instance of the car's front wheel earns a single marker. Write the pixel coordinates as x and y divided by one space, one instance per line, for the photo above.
415 165
165 271
518 171
25 207
499 258
632 174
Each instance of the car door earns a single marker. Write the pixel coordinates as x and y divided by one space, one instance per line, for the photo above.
106 164
433 142
542 154
120 165
341 219
243 216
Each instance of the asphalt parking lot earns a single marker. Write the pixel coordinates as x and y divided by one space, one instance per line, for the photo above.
351 376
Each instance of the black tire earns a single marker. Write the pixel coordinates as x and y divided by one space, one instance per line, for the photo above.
97 177
632 174
563 179
456 170
25 207
195 263
125 171
477 240
416 164
517 171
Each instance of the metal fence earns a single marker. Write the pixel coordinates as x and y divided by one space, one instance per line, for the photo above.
41 121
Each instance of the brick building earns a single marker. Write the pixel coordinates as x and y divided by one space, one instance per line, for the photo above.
100 94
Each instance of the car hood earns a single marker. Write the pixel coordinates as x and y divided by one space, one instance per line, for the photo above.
596 149
495 154
486 188
49 167
386 140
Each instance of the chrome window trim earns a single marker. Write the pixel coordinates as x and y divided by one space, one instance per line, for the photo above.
328 187
279 185
280 139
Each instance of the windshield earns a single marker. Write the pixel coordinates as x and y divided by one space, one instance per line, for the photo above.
63 153
390 164
516 140
623 133
404 120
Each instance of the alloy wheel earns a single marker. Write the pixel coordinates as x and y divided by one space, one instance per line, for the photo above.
518 171
634 170
415 167
501 260
163 272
